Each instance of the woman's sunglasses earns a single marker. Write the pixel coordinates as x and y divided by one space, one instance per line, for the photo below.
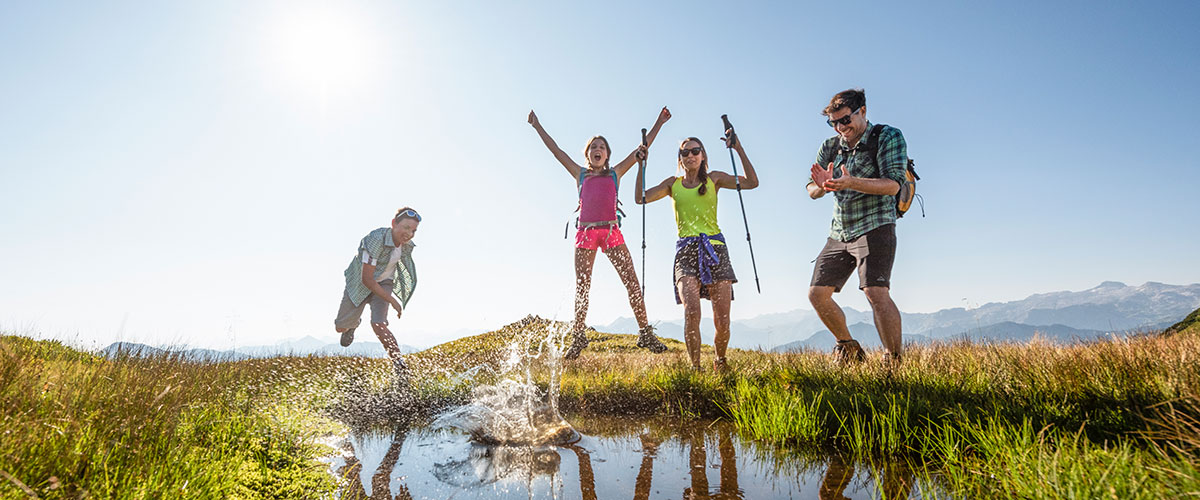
684 152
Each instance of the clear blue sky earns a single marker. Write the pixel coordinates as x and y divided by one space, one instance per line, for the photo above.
202 172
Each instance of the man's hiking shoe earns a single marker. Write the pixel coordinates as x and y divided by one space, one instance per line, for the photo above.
721 366
891 359
647 339
848 351
577 346
347 337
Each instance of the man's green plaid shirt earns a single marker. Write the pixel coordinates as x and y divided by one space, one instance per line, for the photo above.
856 213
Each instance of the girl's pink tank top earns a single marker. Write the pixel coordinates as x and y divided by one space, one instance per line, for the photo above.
598 198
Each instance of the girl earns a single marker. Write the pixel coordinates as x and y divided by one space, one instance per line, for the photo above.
597 228
702 268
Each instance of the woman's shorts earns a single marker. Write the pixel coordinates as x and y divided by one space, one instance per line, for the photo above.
687 263
604 238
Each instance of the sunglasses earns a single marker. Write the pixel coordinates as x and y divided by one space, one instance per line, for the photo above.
410 213
845 120
683 153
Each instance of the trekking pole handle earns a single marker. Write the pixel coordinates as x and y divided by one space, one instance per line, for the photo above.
729 132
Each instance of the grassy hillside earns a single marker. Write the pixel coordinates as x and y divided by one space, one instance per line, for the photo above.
1116 419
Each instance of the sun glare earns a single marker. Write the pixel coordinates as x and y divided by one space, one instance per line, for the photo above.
327 51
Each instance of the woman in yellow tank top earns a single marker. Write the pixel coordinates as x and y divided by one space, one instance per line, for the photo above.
702 267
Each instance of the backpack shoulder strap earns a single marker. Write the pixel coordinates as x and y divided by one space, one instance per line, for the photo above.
872 145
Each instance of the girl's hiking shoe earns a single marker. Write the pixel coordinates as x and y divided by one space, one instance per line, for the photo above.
848 351
577 346
720 366
647 339
347 337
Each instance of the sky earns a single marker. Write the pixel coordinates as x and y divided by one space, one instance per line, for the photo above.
201 172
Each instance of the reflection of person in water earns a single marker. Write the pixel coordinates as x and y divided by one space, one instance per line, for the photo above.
897 480
381 481
698 460
641 487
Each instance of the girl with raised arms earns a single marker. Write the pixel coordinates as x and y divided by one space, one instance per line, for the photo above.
702 267
597 228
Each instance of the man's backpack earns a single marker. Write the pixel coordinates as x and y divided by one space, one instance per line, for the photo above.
908 189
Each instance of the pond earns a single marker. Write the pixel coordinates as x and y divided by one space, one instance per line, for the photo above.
610 458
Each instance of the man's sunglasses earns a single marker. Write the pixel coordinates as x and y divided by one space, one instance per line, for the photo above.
410 213
683 153
845 120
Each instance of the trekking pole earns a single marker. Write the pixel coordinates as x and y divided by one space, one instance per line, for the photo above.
731 139
642 166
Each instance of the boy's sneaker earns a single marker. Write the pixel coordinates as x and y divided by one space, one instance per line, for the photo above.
347 337
848 351
647 339
401 368
577 346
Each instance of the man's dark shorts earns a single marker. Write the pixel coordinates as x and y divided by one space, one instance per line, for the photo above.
872 253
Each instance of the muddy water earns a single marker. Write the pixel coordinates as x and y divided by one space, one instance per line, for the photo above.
614 458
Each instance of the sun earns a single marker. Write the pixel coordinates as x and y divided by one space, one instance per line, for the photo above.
326 50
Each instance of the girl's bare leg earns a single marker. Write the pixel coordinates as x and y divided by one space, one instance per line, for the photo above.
689 292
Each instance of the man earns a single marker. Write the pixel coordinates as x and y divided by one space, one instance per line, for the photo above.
863 232
381 274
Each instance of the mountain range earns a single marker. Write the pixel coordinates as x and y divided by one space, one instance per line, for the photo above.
1110 307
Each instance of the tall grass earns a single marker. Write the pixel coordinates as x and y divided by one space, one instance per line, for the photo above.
81 426
1119 418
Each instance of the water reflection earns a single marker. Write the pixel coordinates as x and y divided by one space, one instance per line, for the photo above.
615 458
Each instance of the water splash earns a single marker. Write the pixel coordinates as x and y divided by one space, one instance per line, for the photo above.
515 410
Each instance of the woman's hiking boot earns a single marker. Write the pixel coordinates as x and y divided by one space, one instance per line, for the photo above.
347 337
721 366
647 339
577 346
848 351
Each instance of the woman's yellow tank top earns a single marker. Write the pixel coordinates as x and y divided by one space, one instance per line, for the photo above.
695 214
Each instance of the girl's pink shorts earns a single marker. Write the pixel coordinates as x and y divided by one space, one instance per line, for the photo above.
604 238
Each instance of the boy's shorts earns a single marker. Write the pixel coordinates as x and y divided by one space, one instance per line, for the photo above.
604 238
350 315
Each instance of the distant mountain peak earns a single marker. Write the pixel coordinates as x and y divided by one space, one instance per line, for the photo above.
1111 284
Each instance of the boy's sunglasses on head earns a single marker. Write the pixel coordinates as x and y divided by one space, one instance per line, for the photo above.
845 120
683 153
409 213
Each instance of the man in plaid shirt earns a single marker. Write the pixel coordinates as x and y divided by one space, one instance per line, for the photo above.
863 232
382 274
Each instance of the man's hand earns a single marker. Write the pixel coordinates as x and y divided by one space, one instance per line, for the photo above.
840 183
533 119
821 175
399 308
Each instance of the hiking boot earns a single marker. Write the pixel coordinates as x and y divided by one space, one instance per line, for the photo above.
347 337
577 346
400 368
647 339
721 366
848 351
891 359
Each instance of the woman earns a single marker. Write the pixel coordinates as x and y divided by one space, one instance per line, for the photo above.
702 268
598 228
